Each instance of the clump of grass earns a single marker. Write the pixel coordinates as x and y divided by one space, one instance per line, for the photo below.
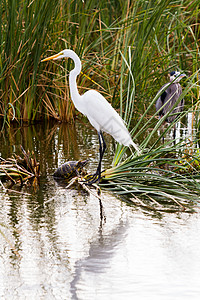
20 170
160 179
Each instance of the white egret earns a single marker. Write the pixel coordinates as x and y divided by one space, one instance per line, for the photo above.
171 92
99 112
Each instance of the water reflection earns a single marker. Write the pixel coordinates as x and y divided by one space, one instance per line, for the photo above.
61 248
101 251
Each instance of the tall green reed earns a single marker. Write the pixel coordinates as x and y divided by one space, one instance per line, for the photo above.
24 27
159 34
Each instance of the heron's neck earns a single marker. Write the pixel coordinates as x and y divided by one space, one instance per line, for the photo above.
72 81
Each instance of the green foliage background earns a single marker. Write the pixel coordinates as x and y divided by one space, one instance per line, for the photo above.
160 35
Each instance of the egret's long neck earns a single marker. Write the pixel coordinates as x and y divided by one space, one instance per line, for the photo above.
72 80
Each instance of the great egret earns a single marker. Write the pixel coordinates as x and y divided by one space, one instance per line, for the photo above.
170 96
99 112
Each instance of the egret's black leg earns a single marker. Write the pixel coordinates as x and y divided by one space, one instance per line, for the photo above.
101 153
102 147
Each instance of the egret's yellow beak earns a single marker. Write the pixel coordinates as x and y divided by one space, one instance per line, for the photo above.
56 56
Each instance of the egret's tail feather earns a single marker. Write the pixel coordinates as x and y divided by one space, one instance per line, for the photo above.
136 147
123 137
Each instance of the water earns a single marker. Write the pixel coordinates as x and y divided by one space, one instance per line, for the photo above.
62 249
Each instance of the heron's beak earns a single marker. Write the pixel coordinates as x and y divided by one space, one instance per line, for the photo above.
182 75
56 56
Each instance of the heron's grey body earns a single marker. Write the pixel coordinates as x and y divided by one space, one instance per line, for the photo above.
168 98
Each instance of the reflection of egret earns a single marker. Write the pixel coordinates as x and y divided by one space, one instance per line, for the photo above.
170 96
100 254
98 111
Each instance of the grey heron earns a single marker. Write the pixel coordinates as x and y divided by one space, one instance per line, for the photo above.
170 95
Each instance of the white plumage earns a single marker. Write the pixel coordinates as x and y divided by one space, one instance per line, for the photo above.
99 112
103 117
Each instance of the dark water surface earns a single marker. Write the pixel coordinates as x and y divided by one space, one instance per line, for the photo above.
62 248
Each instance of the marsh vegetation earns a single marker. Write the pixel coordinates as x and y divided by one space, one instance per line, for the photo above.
127 49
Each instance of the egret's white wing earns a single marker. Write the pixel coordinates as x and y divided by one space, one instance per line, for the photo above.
103 117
